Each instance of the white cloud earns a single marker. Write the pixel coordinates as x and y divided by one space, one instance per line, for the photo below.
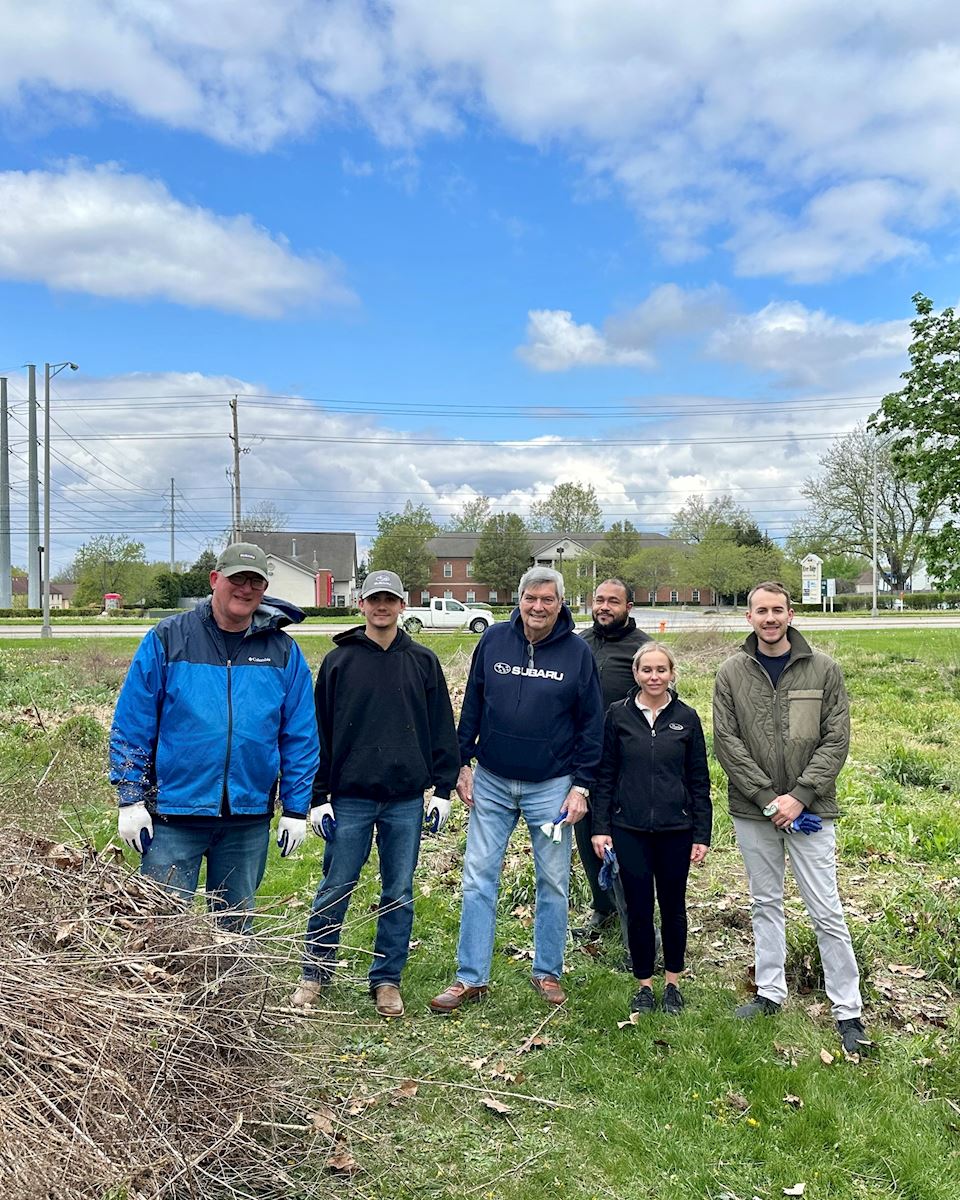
100 231
733 120
810 348
124 438
556 343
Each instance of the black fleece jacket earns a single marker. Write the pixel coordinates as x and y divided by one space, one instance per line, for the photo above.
614 647
653 780
385 721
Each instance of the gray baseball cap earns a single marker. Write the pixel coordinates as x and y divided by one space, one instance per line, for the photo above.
240 557
382 581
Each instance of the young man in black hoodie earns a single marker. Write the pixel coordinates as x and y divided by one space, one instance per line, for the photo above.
386 735
533 717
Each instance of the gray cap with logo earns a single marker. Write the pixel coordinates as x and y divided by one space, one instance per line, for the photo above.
240 557
382 581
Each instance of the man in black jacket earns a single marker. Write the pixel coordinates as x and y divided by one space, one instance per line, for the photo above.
614 639
386 735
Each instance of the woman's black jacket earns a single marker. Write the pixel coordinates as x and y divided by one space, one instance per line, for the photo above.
653 780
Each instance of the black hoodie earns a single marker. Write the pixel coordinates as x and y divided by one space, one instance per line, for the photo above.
385 721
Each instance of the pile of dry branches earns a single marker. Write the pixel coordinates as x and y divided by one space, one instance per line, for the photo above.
134 1056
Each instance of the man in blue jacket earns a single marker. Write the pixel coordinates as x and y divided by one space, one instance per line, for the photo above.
533 717
214 721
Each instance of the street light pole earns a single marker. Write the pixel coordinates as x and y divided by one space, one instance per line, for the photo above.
49 371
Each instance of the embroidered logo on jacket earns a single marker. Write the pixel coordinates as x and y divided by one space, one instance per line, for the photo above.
674 725
503 668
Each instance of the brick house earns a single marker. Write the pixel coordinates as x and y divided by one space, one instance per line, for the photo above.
452 574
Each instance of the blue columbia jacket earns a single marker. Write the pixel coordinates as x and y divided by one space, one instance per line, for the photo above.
533 710
191 729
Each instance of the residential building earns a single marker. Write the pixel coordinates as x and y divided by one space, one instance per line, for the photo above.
453 577
306 568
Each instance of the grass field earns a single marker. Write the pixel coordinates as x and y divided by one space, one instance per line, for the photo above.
515 1102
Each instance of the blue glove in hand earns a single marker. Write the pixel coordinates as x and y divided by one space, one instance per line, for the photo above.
135 826
610 869
290 834
807 822
438 810
323 821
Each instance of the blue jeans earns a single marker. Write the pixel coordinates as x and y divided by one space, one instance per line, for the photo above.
398 824
236 854
498 805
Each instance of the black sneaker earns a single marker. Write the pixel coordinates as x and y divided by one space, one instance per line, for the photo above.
759 1006
672 1000
644 1001
593 927
854 1036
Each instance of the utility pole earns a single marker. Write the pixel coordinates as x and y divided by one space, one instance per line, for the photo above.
6 586
33 493
46 629
235 438
173 527
873 610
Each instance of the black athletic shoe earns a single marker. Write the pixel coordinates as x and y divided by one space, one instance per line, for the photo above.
644 1002
759 1006
854 1036
672 1000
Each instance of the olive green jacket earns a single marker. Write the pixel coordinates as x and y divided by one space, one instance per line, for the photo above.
790 739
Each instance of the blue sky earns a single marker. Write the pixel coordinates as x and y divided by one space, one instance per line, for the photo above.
444 248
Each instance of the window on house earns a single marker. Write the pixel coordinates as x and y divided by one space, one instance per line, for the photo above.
674 597
448 595
470 569
493 595
695 596
448 570
471 597
340 601
425 598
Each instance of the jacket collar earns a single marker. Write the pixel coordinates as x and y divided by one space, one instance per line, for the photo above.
799 646
615 634
272 613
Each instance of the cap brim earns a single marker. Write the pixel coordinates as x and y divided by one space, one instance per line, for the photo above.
243 569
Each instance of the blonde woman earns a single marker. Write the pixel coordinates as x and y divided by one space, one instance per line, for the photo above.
651 805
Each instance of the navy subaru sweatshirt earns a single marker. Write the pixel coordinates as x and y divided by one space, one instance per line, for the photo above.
533 710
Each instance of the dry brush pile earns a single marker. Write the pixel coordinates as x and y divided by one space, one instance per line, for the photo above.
138 1056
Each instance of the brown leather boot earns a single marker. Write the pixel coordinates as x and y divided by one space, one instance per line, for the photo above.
388 1000
456 995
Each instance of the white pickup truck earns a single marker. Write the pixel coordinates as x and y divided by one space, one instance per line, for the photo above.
446 614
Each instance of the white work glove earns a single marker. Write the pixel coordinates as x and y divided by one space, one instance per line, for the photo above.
437 812
135 826
323 821
290 834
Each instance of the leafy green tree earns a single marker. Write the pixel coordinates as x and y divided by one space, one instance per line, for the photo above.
697 519
720 564
652 568
502 554
570 508
168 587
921 421
401 545
196 581
107 563
620 542
840 517
471 516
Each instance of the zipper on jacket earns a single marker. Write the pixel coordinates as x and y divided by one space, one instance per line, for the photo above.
226 765
781 752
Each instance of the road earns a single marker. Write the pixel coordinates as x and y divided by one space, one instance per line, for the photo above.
672 620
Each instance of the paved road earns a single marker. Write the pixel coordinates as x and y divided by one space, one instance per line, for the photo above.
674 621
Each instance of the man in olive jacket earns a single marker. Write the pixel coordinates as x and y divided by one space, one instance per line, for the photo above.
781 729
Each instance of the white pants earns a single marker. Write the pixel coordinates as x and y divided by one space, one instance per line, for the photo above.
814 865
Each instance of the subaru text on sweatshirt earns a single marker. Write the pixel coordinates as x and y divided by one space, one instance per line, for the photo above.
533 710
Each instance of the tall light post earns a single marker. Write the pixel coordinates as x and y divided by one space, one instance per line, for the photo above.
49 371
873 610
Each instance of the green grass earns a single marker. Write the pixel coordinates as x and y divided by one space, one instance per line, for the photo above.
694 1108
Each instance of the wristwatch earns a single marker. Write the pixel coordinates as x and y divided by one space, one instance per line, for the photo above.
584 792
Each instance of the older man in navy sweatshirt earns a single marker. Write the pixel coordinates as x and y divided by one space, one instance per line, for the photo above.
533 718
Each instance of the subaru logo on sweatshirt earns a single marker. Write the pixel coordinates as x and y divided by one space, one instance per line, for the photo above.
674 725
503 668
